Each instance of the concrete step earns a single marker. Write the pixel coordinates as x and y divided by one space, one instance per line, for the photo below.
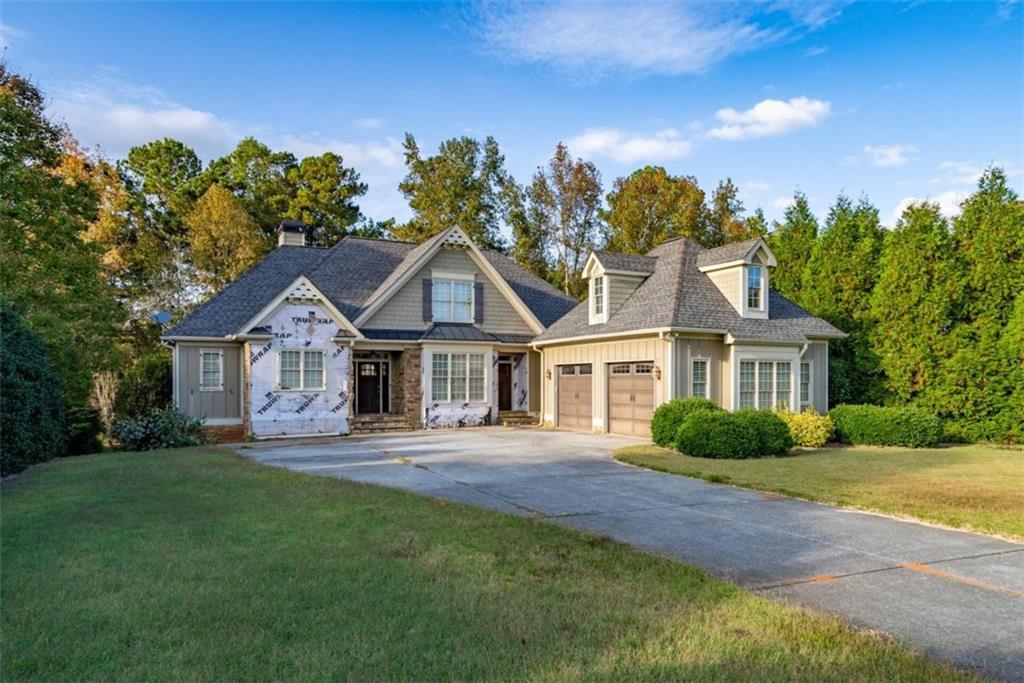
518 418
379 423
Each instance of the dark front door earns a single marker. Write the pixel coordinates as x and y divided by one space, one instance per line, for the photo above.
504 386
368 383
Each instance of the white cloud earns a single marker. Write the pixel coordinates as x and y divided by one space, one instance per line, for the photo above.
594 39
948 201
815 51
379 154
756 186
888 155
770 117
630 148
782 203
969 172
369 123
11 35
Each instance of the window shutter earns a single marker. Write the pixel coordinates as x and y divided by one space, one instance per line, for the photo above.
428 299
478 302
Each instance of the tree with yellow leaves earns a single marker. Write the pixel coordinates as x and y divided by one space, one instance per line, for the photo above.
225 240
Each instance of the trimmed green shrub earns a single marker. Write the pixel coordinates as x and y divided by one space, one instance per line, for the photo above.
32 410
716 434
161 428
808 428
771 433
145 386
84 431
885 426
668 416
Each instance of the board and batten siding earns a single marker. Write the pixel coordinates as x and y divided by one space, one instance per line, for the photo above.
713 350
404 310
600 355
817 353
225 406
535 377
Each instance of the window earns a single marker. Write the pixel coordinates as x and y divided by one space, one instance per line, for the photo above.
699 378
598 296
567 370
586 369
620 369
643 369
765 384
211 370
453 301
300 370
805 384
457 377
754 287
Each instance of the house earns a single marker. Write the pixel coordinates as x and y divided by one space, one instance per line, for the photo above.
373 335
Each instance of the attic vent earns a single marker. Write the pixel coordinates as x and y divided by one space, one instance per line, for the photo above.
302 292
456 238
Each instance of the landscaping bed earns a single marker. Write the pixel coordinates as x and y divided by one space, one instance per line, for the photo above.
198 565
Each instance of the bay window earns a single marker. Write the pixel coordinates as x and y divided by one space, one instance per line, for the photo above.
457 377
300 369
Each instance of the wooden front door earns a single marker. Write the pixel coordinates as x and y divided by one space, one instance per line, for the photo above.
504 386
371 386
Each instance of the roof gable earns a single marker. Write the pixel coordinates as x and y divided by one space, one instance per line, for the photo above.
300 291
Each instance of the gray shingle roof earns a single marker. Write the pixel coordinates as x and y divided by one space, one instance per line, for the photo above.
350 274
726 253
633 263
678 295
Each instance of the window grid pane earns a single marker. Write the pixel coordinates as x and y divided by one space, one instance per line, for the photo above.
458 383
210 378
754 287
442 293
782 371
748 384
463 295
805 383
290 369
599 296
765 374
699 386
476 377
313 371
439 378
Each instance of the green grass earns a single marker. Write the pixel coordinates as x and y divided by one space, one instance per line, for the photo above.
197 565
976 487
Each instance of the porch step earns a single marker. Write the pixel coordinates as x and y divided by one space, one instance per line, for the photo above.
376 424
518 418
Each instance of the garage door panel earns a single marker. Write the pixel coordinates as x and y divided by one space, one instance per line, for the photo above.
630 398
574 399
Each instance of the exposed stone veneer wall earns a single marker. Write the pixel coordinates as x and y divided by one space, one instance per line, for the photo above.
411 386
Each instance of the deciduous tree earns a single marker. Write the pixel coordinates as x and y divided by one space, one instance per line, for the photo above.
224 239
649 207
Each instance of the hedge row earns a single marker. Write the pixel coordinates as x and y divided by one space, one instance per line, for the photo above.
742 434
879 426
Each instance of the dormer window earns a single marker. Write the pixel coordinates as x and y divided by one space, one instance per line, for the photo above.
598 296
754 287
598 299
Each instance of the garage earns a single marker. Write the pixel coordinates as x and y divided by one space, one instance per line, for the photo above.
630 398
574 396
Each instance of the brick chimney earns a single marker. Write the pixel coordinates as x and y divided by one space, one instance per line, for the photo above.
291 233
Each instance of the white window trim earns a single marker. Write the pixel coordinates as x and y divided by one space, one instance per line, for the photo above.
596 317
302 370
810 386
746 311
740 354
746 290
707 375
485 354
220 370
452 278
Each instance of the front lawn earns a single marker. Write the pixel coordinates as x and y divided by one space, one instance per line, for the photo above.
197 565
977 487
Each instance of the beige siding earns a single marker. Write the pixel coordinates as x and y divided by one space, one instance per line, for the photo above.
213 405
714 351
728 282
600 355
620 288
404 310
817 353
535 375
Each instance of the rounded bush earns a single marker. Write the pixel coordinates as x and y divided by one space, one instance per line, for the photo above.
886 426
771 433
145 386
808 428
668 416
716 434
167 428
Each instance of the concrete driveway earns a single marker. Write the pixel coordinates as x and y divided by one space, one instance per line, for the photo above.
957 596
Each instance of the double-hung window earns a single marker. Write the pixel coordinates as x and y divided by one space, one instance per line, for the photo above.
211 370
300 369
598 296
699 378
805 384
764 384
457 377
754 293
453 301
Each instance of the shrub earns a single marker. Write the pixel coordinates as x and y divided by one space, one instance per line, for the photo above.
668 416
32 411
770 432
84 430
716 434
161 428
145 386
808 428
878 426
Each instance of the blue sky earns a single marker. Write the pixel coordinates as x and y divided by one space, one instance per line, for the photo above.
895 100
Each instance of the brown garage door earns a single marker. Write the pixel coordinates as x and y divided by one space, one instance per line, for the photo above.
574 404
630 398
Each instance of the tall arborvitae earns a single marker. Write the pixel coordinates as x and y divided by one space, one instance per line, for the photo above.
913 304
792 242
837 285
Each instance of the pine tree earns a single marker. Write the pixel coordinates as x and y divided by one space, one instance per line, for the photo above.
792 242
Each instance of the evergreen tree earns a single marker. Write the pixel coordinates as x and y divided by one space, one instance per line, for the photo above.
913 304
725 222
792 242
837 285
649 207
322 195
